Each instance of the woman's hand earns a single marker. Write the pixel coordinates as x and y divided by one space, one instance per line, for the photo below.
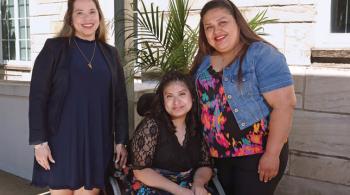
282 101
121 155
43 155
200 179
268 167
199 190
184 191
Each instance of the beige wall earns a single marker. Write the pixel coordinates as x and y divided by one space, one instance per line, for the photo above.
46 20
292 34
16 156
319 142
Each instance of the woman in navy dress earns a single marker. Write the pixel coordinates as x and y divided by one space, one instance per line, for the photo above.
78 105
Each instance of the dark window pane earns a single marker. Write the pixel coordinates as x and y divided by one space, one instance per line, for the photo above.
12 45
348 18
4 28
339 16
22 50
5 52
10 9
28 29
27 8
22 28
28 51
15 29
10 12
12 34
21 9
3 8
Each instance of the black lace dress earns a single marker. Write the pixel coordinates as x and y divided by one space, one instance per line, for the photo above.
159 149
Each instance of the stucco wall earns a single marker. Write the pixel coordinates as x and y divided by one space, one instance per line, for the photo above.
16 156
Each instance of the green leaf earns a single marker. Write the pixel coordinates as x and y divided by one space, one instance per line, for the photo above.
259 20
163 40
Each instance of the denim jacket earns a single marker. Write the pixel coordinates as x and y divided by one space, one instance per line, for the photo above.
264 69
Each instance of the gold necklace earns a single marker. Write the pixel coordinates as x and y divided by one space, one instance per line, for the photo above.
84 56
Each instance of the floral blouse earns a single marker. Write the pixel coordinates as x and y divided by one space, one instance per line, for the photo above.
221 130
155 147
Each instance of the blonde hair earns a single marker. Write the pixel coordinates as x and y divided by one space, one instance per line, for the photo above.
68 30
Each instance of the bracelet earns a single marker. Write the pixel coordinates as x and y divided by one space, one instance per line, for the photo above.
40 145
125 146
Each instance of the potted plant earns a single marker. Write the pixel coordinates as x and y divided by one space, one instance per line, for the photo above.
163 40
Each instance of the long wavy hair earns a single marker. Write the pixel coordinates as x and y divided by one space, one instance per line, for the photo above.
246 35
68 30
158 111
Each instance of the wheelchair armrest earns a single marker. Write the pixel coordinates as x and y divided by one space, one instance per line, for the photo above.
115 186
217 184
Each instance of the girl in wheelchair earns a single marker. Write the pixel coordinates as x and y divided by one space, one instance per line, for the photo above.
167 152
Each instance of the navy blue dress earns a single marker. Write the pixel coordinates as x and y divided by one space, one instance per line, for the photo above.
83 145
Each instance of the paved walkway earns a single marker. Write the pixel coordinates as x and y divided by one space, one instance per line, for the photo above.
13 185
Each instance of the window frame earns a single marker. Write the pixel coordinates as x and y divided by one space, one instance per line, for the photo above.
324 37
16 63
347 24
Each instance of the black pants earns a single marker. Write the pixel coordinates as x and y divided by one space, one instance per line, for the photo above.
239 175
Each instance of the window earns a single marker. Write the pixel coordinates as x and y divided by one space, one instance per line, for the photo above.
340 17
15 28
332 24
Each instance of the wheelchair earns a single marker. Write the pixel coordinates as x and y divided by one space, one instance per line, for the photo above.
116 189
143 106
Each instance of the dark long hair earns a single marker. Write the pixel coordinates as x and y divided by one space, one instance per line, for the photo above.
246 35
158 111
68 30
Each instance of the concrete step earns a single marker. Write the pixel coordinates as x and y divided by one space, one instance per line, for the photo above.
340 56
331 65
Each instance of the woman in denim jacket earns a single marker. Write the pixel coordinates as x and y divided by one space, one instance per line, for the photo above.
246 98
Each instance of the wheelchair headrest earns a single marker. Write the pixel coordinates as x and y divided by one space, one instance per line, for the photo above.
144 104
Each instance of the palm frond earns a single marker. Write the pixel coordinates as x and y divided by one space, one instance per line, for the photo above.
259 20
163 40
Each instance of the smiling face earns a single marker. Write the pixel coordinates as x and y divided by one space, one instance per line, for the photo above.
85 19
221 30
177 99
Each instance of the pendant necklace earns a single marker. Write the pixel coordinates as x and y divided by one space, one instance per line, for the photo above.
84 56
